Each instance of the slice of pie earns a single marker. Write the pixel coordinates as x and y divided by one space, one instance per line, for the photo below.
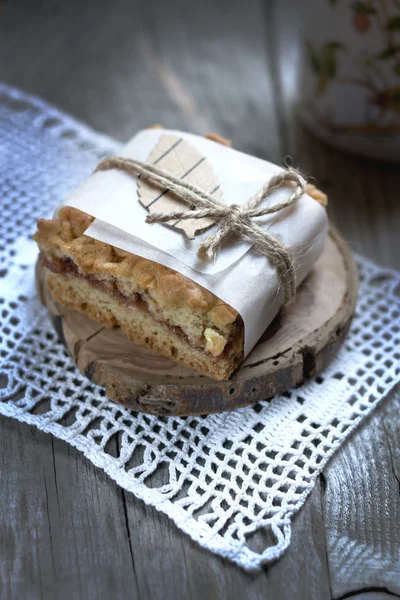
152 304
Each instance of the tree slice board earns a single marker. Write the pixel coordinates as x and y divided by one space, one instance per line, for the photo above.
301 342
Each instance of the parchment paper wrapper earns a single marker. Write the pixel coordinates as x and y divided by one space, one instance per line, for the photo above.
239 276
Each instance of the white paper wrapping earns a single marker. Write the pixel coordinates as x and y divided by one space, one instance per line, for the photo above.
242 278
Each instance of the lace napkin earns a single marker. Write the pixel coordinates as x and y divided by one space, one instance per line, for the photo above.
227 475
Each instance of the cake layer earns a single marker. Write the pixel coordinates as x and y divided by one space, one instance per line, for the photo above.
139 325
171 298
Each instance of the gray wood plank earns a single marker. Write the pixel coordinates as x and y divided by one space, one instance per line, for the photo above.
62 524
202 57
185 570
363 198
124 64
117 87
362 506
362 502
64 536
244 120
71 540
199 66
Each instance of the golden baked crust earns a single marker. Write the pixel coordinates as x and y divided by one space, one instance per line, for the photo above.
215 137
316 194
64 237
118 289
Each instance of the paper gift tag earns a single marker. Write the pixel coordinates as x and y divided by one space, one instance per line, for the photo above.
176 156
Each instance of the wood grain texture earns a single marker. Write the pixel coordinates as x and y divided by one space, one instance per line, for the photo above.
115 65
68 533
362 513
62 522
303 341
124 64
361 483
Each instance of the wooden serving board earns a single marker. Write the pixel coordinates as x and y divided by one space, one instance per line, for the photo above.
301 341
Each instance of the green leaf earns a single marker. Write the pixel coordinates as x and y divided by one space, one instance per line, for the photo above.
396 69
313 58
333 2
393 23
363 7
324 63
388 52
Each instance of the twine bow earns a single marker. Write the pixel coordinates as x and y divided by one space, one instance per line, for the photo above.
231 219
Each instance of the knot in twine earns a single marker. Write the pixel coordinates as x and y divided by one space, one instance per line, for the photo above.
230 219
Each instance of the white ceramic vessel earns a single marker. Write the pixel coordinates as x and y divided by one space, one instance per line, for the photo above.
351 75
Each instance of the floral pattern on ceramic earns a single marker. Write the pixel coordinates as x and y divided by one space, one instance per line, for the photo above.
352 74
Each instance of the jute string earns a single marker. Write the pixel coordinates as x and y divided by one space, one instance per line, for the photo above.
231 219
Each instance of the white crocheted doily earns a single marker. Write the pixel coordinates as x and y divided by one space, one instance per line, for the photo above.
229 474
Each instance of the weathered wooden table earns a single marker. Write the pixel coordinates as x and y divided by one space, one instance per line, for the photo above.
67 531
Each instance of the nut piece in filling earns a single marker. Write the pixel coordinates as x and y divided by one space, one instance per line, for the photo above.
152 304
